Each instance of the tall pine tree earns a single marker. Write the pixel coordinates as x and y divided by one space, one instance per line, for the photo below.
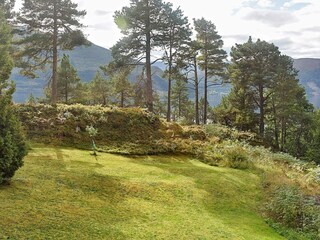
188 64
212 58
121 86
48 26
68 80
254 68
100 89
176 34
141 23
180 97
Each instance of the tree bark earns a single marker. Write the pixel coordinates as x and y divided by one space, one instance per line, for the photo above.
283 134
149 91
54 83
169 86
122 99
261 103
66 86
196 83
276 127
205 110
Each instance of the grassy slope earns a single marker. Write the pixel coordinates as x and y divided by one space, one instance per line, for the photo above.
67 194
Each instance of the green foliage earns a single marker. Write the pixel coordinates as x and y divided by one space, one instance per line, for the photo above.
267 98
253 72
177 34
212 55
182 106
313 175
313 145
188 61
6 62
41 32
6 7
143 19
100 89
236 158
121 88
68 81
12 143
224 133
237 110
290 207
31 100
46 27
66 124
212 58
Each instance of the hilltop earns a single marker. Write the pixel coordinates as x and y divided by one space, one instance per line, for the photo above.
166 181
66 194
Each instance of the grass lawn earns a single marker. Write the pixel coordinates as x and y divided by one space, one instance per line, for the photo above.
68 194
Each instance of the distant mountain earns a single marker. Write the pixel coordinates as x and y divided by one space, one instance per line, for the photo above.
87 61
309 75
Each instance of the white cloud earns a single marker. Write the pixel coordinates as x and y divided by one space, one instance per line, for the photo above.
265 3
293 27
274 18
292 3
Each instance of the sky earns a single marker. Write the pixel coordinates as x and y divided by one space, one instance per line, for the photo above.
292 25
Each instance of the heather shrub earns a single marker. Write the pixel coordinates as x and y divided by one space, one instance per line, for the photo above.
236 157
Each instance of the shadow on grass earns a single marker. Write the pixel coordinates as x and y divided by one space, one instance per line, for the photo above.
232 195
47 199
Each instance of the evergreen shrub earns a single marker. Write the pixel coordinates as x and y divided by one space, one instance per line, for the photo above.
12 142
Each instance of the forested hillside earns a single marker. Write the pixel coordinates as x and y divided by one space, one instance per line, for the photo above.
88 59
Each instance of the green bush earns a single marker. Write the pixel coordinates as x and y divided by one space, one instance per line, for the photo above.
12 143
236 157
290 207
226 133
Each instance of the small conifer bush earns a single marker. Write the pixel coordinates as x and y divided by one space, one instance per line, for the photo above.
12 143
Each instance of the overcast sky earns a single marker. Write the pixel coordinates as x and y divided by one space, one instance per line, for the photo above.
293 25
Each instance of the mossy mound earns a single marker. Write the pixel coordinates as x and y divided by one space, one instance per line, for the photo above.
121 130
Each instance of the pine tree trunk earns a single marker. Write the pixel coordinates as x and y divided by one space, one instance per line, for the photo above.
196 83
66 86
276 127
149 92
261 102
169 99
283 134
122 99
169 87
180 105
205 95
54 83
